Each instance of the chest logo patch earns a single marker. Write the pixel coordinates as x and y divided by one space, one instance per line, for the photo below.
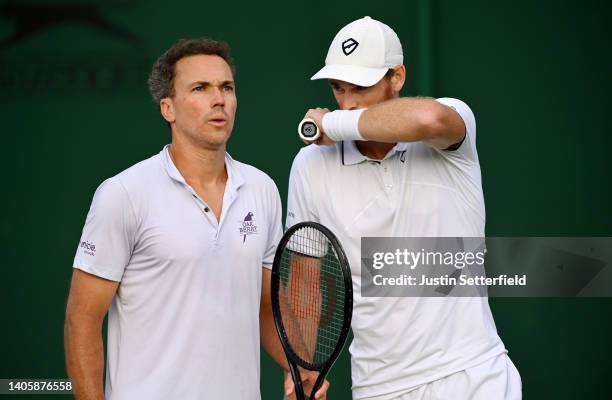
248 226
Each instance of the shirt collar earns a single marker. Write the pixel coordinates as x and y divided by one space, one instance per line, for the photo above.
235 179
351 154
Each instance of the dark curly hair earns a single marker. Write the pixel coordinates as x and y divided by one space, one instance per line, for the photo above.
161 80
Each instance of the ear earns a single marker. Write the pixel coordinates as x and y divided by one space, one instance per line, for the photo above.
399 78
167 109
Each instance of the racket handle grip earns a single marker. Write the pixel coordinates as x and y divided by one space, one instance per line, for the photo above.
308 130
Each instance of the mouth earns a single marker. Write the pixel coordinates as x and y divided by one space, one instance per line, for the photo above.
218 121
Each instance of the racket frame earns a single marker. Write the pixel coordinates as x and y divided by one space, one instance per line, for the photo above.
292 358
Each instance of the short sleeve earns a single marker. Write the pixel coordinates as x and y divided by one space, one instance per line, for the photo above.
107 240
467 149
299 204
275 230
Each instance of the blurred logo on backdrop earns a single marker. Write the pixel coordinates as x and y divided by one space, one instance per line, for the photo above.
70 45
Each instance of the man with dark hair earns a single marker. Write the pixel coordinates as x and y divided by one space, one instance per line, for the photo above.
387 166
173 248
161 80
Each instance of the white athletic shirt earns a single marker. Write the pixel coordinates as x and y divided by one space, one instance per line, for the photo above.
185 321
419 191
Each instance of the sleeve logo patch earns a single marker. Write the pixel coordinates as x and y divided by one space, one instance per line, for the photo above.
88 248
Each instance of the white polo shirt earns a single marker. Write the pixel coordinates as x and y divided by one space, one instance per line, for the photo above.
419 191
185 321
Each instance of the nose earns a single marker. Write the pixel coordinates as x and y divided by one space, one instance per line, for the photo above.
349 102
218 99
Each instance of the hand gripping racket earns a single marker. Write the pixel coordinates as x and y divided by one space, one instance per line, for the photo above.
312 300
308 130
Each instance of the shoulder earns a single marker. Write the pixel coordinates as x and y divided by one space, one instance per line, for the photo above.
110 191
317 155
253 176
126 179
141 173
129 185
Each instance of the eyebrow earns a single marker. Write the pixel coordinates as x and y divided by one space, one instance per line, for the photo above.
207 84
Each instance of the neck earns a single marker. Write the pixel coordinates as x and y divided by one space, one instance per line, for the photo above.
199 166
374 150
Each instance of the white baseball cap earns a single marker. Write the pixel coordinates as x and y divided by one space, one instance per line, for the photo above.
362 53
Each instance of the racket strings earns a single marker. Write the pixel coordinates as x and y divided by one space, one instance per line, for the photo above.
311 295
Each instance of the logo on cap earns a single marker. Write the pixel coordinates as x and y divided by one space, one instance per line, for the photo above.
349 46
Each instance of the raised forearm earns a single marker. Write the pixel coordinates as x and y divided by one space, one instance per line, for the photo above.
84 357
409 120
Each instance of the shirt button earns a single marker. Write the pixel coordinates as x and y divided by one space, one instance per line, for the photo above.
206 209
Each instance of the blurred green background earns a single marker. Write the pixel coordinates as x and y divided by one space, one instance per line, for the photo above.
75 110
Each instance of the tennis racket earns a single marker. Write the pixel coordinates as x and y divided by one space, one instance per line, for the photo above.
312 300
308 130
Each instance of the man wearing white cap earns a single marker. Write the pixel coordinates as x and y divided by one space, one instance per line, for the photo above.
400 167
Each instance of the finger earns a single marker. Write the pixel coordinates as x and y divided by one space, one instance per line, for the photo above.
321 393
310 112
289 386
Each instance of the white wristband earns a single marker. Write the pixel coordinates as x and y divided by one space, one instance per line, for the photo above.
341 125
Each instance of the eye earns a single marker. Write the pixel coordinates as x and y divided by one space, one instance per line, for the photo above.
228 88
198 88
